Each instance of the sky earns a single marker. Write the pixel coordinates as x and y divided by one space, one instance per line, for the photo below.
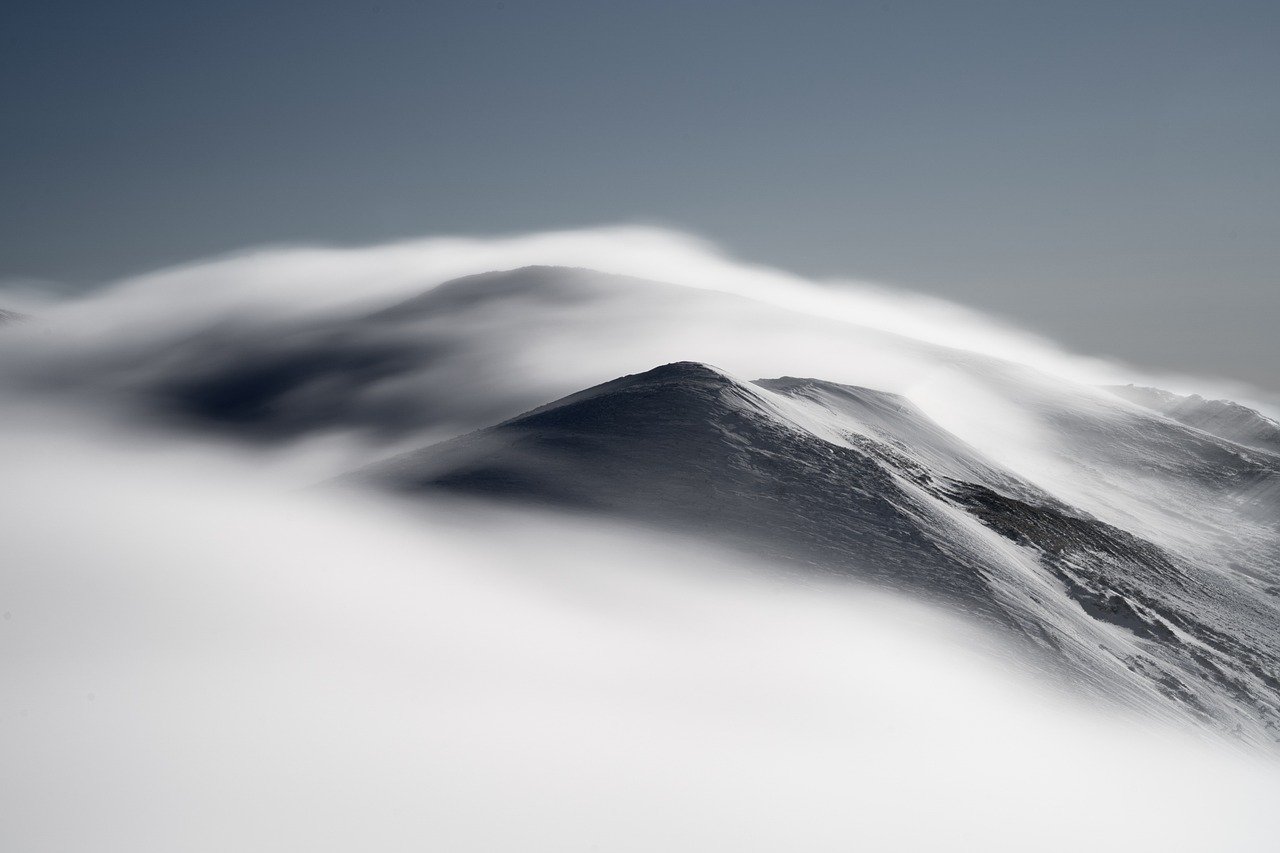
1105 173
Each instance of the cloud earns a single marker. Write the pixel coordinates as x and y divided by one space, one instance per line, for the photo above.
195 659
196 653
328 358
287 343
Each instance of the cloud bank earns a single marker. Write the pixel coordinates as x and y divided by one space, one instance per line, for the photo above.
199 655
195 660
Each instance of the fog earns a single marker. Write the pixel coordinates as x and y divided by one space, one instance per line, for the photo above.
328 358
292 281
203 649
331 370
198 659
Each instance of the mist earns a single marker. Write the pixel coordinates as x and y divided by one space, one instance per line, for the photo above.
357 379
208 645
325 359
197 658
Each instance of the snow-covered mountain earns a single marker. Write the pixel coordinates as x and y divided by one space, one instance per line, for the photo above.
848 480
631 599
1133 546
1222 418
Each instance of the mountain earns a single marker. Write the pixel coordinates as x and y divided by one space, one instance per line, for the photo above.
1222 418
841 479
1136 552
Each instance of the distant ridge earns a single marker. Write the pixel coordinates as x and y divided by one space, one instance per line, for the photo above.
1222 418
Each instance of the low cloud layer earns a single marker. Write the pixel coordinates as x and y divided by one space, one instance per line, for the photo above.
326 359
298 343
195 660
203 652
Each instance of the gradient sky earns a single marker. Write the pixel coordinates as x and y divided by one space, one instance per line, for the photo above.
1104 172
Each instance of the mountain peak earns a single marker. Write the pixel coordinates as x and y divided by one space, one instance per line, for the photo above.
860 483
683 371
676 390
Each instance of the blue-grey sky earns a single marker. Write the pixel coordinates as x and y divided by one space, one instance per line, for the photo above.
1104 172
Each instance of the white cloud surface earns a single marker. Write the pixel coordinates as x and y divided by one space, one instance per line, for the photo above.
198 657
224 666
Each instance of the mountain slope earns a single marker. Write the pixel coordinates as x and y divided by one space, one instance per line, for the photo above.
849 480
1222 418
1140 553
684 444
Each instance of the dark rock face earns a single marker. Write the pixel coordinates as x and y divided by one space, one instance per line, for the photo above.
1120 579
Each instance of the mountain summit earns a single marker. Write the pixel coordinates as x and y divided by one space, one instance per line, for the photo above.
856 482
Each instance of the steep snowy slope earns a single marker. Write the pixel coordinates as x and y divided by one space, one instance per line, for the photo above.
854 481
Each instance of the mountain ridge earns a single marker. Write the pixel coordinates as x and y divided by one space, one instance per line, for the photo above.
1226 419
757 465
